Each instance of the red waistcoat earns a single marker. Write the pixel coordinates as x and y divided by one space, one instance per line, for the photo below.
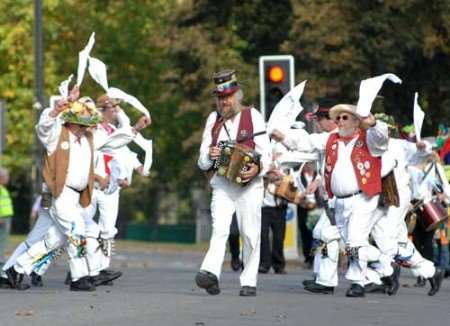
245 129
367 168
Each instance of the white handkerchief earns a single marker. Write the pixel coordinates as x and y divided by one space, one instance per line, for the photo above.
147 146
83 56
119 94
419 115
64 87
97 70
368 90
287 110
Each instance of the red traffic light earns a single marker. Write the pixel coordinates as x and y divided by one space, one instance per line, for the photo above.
276 74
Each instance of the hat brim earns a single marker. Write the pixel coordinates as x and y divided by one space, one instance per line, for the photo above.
343 108
226 92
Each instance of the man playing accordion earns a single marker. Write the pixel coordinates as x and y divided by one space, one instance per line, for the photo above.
237 187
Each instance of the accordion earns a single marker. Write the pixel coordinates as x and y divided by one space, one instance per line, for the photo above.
233 160
286 189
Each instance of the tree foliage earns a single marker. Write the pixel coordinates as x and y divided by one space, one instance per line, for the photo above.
166 51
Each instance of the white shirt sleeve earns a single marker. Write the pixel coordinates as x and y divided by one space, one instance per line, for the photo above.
204 162
262 142
48 130
300 140
377 138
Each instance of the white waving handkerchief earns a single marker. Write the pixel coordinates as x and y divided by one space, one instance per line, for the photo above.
121 95
83 56
64 87
97 70
287 110
368 90
419 115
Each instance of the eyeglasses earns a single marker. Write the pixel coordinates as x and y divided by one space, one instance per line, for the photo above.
342 116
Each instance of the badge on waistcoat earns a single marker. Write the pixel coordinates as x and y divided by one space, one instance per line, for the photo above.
359 143
243 134
65 145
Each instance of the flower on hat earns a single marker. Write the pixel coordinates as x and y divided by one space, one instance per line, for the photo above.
82 112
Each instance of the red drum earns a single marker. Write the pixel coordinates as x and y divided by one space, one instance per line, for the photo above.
433 213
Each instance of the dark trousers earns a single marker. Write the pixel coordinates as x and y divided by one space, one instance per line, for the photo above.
233 238
273 218
423 240
305 234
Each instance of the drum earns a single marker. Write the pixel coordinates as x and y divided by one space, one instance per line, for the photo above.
433 213
233 160
287 190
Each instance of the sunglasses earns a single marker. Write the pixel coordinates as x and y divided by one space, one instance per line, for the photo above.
342 116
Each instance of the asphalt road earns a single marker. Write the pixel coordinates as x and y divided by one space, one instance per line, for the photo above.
157 288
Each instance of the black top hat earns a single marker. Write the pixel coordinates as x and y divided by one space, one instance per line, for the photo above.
226 83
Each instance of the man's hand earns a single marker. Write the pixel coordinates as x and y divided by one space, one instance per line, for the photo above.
214 152
421 145
252 171
274 175
74 94
140 170
123 183
277 135
368 121
143 122
312 187
103 182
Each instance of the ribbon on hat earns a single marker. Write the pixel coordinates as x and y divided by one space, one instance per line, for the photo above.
286 110
419 115
368 90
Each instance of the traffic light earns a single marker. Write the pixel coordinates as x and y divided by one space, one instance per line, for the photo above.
276 78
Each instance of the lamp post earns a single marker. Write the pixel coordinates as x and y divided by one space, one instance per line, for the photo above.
39 93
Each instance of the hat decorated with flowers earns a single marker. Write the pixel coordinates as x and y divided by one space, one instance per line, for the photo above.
82 112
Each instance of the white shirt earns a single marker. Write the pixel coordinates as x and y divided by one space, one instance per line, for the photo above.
49 130
262 143
344 180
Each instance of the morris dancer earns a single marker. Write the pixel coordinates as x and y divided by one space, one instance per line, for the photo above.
233 121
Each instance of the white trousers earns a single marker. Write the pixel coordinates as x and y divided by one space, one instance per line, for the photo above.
108 207
355 219
326 266
36 234
246 202
393 241
67 229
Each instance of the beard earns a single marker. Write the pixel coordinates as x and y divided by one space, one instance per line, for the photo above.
346 132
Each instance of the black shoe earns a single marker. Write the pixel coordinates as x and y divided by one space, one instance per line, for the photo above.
247 291
318 288
421 282
106 277
374 288
15 279
83 284
5 284
280 271
308 282
391 282
263 270
207 281
236 264
68 279
355 291
436 281
36 279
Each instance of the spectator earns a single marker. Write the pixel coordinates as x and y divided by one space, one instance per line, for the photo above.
6 211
